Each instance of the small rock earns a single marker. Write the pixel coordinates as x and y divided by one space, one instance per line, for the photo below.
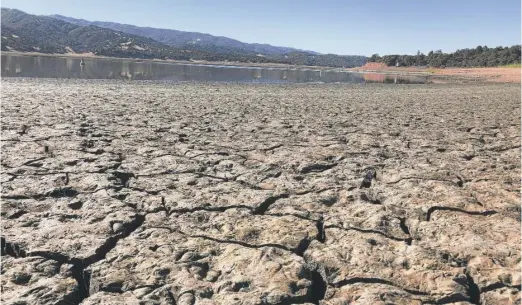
21 278
370 175
186 299
267 186
212 276
329 200
141 292
372 241
304 283
117 227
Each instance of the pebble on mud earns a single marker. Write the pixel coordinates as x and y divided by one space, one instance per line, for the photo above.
117 227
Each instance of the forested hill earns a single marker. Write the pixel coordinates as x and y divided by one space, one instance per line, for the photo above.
481 56
182 39
331 60
30 33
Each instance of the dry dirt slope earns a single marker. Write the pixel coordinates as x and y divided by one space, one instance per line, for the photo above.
152 193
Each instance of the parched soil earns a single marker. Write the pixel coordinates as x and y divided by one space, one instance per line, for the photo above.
159 193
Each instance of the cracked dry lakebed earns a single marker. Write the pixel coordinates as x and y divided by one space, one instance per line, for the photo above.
145 192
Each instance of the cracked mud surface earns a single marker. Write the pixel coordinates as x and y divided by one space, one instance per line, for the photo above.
155 193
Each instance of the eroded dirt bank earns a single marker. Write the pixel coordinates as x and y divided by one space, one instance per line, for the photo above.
491 74
153 193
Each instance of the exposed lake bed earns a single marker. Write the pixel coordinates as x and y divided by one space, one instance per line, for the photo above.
222 193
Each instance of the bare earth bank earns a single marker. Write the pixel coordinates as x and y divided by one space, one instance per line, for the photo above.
492 74
154 193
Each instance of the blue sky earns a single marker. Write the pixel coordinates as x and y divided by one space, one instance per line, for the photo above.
343 27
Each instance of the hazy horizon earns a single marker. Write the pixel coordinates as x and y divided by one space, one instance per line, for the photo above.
336 27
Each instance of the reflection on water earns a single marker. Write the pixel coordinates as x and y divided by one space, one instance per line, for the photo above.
102 68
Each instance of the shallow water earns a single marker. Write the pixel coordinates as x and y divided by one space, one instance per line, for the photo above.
104 68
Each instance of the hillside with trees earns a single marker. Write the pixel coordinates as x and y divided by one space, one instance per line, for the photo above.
30 33
182 39
330 60
481 56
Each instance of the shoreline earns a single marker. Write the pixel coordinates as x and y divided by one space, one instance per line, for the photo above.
492 74
172 61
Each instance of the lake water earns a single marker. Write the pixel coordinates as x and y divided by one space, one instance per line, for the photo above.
104 68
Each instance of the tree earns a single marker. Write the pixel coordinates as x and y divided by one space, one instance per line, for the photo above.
418 58
476 57
374 58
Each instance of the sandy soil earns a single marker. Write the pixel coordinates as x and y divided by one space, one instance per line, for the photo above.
501 75
158 193
496 75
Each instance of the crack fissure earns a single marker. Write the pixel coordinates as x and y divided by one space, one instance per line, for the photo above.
374 280
321 234
406 240
60 192
263 206
318 288
473 290
499 285
300 249
208 209
452 209
317 168
421 178
244 244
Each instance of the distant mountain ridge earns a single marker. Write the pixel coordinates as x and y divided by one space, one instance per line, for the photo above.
24 32
31 33
183 39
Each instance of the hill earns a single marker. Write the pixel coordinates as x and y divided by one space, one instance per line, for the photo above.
182 39
30 33
330 60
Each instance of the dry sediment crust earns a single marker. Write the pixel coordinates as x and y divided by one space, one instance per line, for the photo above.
159 193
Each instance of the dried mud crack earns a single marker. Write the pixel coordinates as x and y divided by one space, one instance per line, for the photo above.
163 193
